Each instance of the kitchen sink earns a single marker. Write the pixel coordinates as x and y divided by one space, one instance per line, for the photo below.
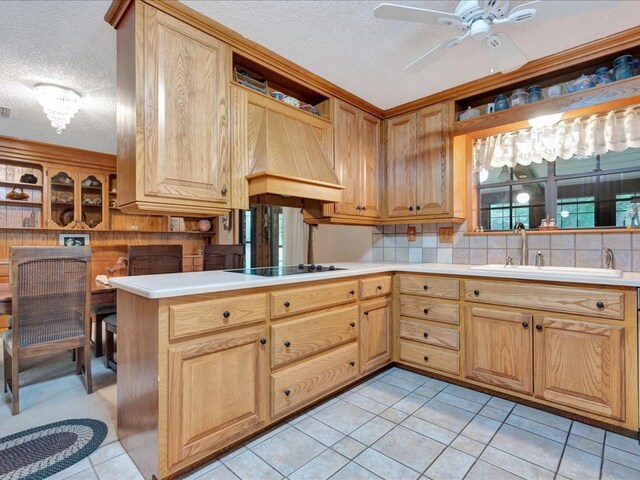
551 271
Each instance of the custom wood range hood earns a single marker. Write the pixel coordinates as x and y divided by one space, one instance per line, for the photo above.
288 153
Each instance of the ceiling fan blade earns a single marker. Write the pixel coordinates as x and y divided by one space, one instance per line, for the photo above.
549 10
504 54
389 11
434 54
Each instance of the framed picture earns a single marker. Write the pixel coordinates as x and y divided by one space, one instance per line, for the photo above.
73 240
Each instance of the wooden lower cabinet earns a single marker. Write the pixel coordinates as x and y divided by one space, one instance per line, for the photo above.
567 362
442 360
498 348
580 364
293 387
375 334
217 391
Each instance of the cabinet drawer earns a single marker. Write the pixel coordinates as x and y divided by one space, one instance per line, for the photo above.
210 315
430 286
305 382
596 303
376 286
429 333
298 300
312 333
429 357
430 310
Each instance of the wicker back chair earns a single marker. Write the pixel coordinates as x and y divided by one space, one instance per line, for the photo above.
142 260
223 257
51 296
153 259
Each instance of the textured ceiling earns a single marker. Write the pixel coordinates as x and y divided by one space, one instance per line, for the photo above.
69 43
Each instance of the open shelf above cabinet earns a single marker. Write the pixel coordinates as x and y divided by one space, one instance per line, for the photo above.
272 81
610 96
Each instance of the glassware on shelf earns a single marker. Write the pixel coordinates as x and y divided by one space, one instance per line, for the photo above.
603 75
623 67
534 94
518 97
502 102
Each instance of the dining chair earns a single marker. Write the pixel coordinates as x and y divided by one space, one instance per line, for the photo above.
51 295
223 257
142 260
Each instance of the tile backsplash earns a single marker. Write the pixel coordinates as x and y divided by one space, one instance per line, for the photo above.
391 244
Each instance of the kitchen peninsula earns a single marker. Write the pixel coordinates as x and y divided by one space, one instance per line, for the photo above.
207 359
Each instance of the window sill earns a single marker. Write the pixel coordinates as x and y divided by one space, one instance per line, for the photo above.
583 231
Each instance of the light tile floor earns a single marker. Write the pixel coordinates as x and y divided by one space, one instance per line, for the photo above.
401 425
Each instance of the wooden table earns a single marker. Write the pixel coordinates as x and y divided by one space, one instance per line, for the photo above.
99 294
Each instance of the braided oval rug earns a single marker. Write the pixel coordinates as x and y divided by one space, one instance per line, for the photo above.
40 452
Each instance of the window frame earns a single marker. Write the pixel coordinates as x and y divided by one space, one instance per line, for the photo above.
551 190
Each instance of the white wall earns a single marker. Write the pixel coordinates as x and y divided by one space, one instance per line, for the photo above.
340 243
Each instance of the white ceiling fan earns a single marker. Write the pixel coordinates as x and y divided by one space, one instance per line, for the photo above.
478 19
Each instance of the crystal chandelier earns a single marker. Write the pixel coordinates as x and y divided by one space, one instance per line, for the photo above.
59 103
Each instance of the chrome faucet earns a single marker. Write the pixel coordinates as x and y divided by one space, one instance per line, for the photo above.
518 228
539 259
608 258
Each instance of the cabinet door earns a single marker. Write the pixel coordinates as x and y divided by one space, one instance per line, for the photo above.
369 165
63 203
186 138
375 334
217 391
347 157
401 167
92 201
498 348
433 169
580 364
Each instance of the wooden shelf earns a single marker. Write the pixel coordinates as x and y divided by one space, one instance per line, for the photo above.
84 205
67 204
21 185
97 189
67 185
280 102
610 96
20 202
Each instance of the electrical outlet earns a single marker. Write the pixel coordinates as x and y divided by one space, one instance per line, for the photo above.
411 234
445 234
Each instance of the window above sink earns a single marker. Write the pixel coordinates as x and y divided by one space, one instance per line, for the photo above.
578 193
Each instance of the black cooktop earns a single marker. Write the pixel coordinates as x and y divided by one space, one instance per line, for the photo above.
287 270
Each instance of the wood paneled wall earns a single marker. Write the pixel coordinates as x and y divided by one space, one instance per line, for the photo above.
106 246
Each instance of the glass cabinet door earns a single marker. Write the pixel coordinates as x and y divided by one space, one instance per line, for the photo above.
92 206
62 213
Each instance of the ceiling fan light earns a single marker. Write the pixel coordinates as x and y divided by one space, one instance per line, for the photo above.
480 29
545 120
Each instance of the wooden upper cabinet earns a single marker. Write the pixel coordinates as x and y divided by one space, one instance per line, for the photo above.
433 160
370 165
357 161
401 158
420 166
173 140
347 157
581 365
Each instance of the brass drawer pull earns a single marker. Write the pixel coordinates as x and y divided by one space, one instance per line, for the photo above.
379 287
226 314
352 324
425 334
263 341
352 363
352 292
286 304
426 311
426 358
287 343
287 392
600 304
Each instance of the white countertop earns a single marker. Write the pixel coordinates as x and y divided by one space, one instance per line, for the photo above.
192 283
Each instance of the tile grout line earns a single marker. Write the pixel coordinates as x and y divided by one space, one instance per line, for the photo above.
564 449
